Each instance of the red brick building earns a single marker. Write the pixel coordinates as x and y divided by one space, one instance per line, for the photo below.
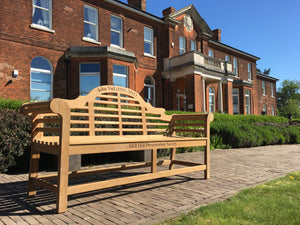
64 48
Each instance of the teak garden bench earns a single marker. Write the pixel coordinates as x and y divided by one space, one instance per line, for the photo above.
109 119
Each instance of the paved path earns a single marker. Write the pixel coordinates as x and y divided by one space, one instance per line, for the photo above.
154 201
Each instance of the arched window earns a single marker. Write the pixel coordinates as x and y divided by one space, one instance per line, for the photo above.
40 79
149 90
211 100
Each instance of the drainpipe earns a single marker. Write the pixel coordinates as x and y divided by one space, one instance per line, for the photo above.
67 62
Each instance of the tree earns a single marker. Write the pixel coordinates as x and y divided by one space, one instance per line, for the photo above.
288 99
267 71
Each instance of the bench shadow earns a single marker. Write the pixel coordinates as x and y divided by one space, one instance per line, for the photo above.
14 200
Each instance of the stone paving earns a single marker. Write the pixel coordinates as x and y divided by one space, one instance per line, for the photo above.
152 201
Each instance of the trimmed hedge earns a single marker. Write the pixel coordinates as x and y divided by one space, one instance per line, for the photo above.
10 104
14 139
243 135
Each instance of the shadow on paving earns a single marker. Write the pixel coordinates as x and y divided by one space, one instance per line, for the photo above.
14 200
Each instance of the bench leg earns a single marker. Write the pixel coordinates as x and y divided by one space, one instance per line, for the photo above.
172 158
62 195
207 162
154 161
33 171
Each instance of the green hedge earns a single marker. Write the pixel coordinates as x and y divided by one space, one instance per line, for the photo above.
242 135
10 104
14 139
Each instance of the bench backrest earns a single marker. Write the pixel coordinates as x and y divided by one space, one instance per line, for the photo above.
111 110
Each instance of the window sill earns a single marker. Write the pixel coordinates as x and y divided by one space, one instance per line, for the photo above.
117 46
150 56
38 27
91 40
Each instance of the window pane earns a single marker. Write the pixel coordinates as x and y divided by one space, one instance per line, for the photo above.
42 3
148 48
90 15
89 31
148 34
120 69
39 95
40 79
90 67
41 17
115 38
116 23
88 83
41 86
148 80
193 46
120 81
40 63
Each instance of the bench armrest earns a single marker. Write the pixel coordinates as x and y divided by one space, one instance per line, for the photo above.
35 108
191 123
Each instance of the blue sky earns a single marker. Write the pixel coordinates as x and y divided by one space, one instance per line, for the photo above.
268 29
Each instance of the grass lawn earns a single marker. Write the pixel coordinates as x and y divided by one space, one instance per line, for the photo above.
275 203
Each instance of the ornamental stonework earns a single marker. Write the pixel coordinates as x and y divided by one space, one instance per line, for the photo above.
188 22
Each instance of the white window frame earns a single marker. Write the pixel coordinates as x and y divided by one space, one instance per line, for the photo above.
265 109
263 85
182 49
122 75
193 45
248 107
50 72
98 74
39 26
211 53
85 38
273 110
149 87
151 42
235 67
120 45
211 96
249 71
238 97
227 58
272 90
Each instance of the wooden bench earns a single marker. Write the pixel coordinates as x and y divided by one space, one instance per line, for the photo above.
109 119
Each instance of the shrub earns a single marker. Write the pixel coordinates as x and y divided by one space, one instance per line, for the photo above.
14 138
10 104
237 135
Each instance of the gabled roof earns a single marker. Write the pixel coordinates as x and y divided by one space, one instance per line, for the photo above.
266 76
192 11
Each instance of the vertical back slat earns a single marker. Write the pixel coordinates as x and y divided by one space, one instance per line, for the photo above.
144 120
91 118
120 115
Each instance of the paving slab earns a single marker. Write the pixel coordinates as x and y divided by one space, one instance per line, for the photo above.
152 201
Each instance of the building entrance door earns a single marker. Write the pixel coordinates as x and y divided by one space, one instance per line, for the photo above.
181 102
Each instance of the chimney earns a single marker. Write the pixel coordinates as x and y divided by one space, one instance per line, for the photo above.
140 4
217 35
168 11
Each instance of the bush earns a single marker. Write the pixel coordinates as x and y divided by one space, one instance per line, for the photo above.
14 138
251 119
10 104
241 135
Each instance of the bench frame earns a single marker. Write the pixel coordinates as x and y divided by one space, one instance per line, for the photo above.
52 133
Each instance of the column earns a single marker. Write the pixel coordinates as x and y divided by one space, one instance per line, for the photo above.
220 97
204 94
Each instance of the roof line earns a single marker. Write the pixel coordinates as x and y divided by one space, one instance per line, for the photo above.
135 10
234 49
266 76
